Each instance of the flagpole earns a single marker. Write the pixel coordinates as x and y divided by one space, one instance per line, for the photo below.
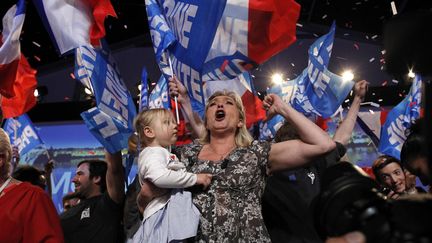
175 97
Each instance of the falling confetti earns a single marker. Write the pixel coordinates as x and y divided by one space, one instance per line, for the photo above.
125 26
374 104
373 37
358 3
346 34
367 37
36 44
356 46
372 59
72 75
384 83
383 52
371 111
393 7
380 100
37 58
342 58
292 64
299 25
347 100
395 81
373 93
324 16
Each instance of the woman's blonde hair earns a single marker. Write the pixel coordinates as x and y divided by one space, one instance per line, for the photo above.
146 118
242 136
6 149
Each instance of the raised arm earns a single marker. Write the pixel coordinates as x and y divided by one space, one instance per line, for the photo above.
343 132
115 176
177 89
293 153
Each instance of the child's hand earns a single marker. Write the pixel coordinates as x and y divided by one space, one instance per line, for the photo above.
204 180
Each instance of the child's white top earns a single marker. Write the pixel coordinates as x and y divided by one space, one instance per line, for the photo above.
163 169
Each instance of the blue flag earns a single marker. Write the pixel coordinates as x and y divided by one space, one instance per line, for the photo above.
319 91
22 133
112 97
159 96
110 132
143 104
399 119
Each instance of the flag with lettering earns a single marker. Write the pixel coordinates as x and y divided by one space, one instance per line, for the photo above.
319 91
219 40
10 50
22 133
112 97
109 131
399 119
73 23
268 128
159 96
143 97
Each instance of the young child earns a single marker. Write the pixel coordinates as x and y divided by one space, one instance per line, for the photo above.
171 216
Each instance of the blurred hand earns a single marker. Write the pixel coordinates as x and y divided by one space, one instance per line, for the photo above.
204 180
49 166
177 89
360 89
393 195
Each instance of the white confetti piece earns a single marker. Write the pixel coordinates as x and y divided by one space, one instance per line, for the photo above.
292 64
395 81
372 59
324 16
374 37
371 111
36 44
393 7
299 25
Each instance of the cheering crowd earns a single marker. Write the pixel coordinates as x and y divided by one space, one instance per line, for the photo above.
224 187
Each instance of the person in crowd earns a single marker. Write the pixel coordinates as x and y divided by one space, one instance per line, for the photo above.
30 174
100 187
390 174
27 214
157 130
231 207
414 153
70 200
287 199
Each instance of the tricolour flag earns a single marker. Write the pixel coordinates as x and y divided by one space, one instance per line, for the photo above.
24 87
243 86
10 50
73 23
22 133
399 119
319 91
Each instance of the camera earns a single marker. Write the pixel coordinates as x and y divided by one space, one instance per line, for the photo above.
351 201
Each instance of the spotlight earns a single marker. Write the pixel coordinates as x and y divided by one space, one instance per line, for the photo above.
347 75
411 74
277 78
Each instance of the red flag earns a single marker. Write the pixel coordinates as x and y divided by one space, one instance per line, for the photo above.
24 87
101 9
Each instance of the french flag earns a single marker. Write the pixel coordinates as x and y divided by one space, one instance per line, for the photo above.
74 23
10 50
243 86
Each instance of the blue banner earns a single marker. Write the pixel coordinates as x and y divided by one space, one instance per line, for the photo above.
399 119
143 103
110 132
112 96
159 96
319 91
22 133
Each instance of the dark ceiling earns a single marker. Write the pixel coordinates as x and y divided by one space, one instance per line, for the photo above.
365 16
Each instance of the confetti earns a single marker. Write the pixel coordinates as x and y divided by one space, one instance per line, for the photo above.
373 37
371 111
382 67
324 16
358 3
299 25
72 75
125 26
153 84
37 58
373 93
346 34
393 7
372 59
356 46
36 44
383 52
367 37
380 100
342 58
384 83
374 104
347 100
315 35
253 76
351 92
395 81
292 64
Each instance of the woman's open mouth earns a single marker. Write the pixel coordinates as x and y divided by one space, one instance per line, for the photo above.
220 115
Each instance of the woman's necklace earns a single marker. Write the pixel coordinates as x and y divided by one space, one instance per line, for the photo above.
5 184
223 155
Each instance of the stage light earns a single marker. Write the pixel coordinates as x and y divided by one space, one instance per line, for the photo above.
411 74
277 78
347 75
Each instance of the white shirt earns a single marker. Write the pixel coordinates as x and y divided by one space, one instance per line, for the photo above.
157 165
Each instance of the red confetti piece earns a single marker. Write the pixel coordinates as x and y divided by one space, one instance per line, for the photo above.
356 46
37 58
72 75
384 83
